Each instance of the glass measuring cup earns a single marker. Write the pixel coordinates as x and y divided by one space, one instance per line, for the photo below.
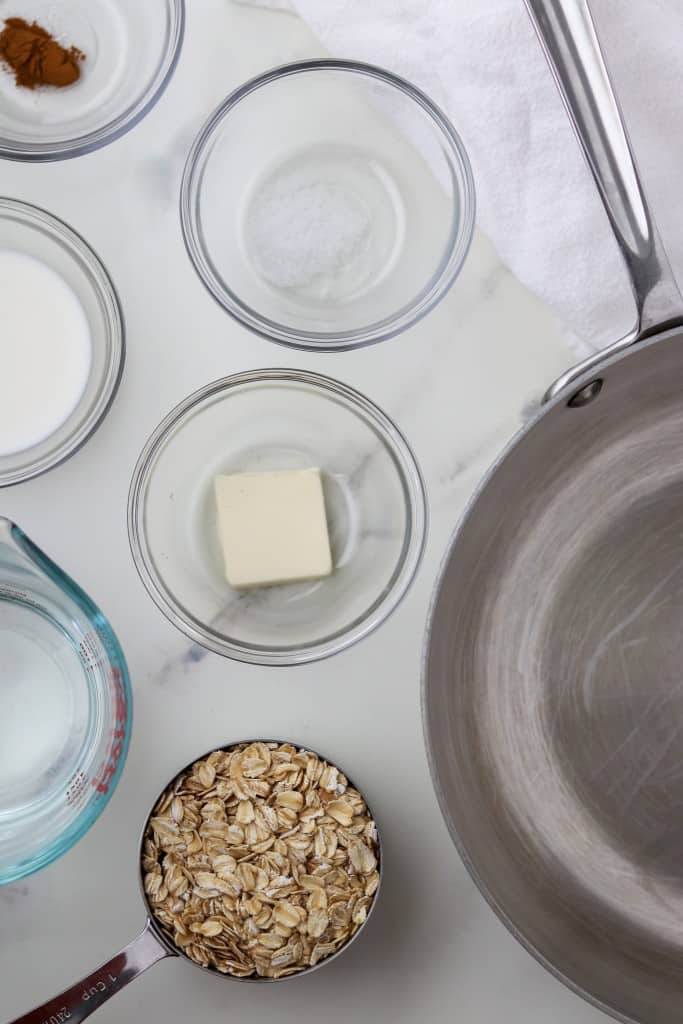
76 1003
65 708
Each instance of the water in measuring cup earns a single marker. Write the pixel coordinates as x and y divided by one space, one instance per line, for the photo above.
44 707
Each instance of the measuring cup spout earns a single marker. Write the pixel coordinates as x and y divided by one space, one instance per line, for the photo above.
21 562
11 551
80 1000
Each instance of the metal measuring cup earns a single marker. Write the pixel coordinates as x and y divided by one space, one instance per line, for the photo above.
78 1001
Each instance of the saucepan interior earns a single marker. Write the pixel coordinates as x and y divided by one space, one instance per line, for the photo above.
554 689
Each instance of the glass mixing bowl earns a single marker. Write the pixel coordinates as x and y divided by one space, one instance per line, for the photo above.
65 708
275 420
39 234
131 48
327 204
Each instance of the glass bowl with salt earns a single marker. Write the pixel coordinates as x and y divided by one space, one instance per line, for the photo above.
327 204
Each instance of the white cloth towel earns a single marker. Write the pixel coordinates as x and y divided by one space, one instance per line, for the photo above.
480 60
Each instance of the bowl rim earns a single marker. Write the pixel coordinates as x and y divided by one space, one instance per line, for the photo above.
419 306
43 152
37 216
415 539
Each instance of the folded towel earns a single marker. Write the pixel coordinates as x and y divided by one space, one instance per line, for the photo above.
481 61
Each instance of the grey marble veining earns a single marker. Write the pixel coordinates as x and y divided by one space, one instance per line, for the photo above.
458 385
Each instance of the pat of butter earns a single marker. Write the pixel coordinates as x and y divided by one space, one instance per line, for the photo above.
272 527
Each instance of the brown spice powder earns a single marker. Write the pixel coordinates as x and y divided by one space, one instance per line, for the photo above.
35 56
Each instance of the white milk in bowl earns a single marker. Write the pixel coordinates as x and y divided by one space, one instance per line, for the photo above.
45 351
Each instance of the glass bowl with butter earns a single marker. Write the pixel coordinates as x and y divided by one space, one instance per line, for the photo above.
277 516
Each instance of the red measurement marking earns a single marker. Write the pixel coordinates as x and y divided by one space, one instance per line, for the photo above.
107 769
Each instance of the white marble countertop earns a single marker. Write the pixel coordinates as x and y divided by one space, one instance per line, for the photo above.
458 385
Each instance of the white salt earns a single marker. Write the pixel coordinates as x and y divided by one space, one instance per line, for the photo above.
303 231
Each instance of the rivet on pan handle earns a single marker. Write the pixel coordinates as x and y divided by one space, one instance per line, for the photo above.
567 34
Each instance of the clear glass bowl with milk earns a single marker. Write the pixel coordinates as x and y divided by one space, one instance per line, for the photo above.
65 708
61 343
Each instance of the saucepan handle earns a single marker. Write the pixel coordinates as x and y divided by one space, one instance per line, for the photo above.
567 34
78 1002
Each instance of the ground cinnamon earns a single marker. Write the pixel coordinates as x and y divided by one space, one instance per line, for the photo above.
35 56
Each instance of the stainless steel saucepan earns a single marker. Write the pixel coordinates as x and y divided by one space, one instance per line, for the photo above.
553 686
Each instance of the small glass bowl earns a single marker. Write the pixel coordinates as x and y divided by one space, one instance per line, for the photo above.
327 204
273 420
39 234
131 49
65 708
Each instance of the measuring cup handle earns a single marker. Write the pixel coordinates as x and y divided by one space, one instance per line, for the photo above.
78 1002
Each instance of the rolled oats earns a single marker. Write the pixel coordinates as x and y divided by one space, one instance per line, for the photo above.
260 860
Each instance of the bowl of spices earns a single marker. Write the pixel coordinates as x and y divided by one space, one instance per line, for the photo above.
75 76
259 862
61 343
327 204
277 516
